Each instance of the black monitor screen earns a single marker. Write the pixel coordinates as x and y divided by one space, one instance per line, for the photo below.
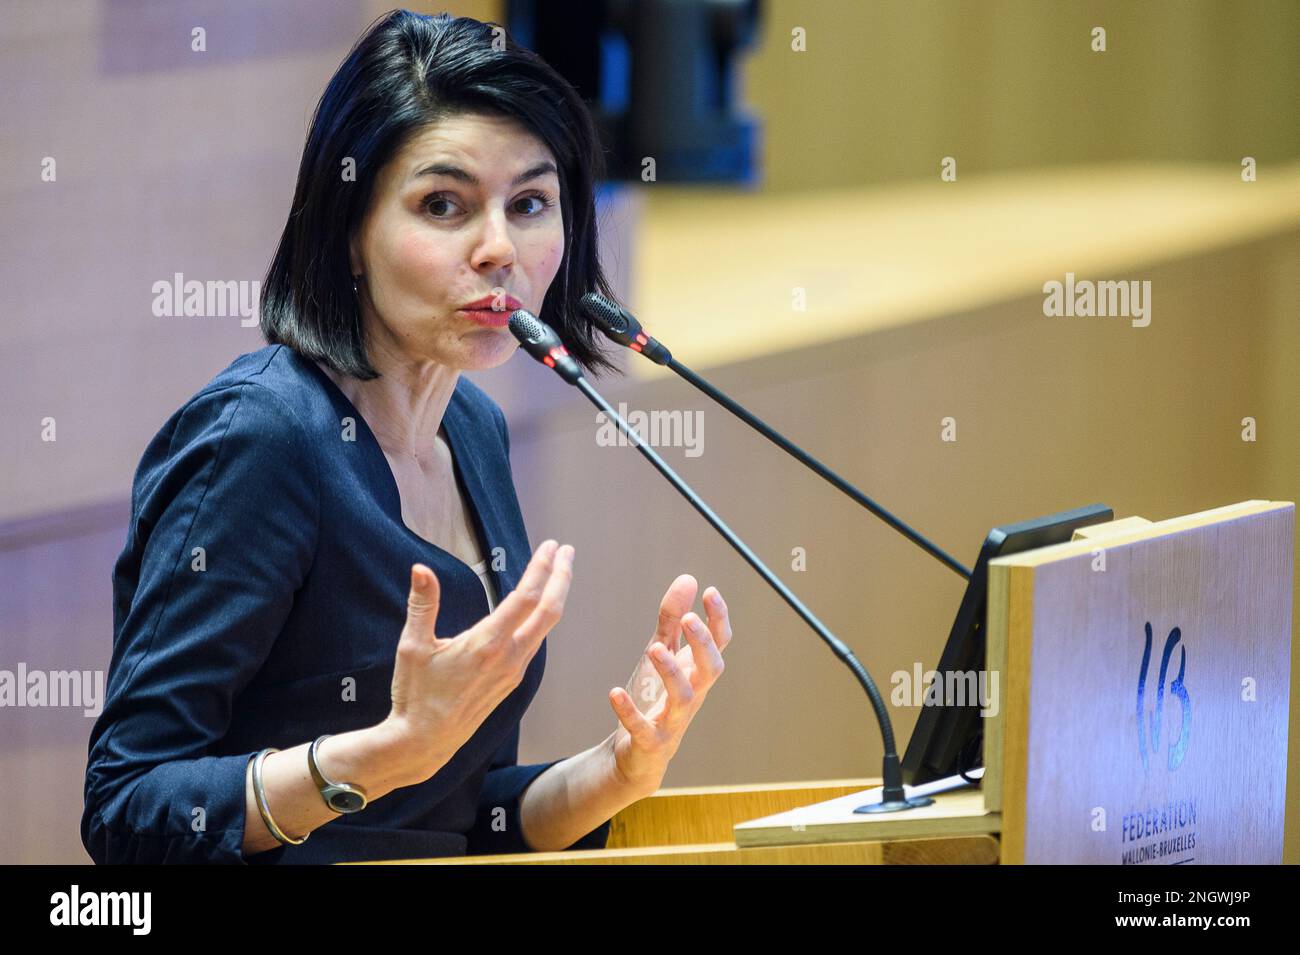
949 737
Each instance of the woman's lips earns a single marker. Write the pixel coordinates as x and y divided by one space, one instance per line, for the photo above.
486 316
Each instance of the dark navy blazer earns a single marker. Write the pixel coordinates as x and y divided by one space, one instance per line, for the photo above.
258 602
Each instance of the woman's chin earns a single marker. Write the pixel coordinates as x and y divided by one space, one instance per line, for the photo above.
488 349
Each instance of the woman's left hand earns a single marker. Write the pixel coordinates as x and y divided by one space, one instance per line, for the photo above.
669 683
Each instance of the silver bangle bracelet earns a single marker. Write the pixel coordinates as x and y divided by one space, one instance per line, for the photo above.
262 807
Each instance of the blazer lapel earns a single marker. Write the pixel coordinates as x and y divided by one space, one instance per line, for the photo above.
487 485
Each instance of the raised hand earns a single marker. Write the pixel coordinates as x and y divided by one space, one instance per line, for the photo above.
443 689
669 684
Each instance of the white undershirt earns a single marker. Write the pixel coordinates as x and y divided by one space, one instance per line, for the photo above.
481 569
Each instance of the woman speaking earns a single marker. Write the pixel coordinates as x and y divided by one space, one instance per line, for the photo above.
328 619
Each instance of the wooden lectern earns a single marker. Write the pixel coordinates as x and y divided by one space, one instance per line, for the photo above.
1142 719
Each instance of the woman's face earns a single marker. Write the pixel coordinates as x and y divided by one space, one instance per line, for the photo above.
468 209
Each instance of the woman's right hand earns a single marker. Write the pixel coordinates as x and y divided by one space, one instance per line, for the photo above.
444 688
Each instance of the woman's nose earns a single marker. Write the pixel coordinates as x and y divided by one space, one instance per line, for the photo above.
495 248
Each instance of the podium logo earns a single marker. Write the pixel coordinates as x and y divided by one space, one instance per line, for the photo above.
1148 724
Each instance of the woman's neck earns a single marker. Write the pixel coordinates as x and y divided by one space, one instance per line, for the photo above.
404 407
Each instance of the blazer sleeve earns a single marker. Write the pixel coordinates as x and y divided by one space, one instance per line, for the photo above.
497 828
238 480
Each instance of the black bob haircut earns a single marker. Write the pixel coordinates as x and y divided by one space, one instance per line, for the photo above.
407 71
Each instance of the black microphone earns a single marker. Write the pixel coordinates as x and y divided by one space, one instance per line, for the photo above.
619 325
540 341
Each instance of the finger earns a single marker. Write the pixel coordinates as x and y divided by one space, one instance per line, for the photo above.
679 689
551 607
422 605
678 599
645 687
715 608
638 727
519 604
705 655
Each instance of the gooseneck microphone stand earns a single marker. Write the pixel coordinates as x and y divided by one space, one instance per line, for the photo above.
540 340
620 326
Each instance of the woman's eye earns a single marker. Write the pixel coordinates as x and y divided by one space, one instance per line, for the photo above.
435 201
544 202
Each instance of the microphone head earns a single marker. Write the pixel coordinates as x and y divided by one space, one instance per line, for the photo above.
613 320
621 326
539 340
527 327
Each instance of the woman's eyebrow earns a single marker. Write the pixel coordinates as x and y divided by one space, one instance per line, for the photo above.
455 172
